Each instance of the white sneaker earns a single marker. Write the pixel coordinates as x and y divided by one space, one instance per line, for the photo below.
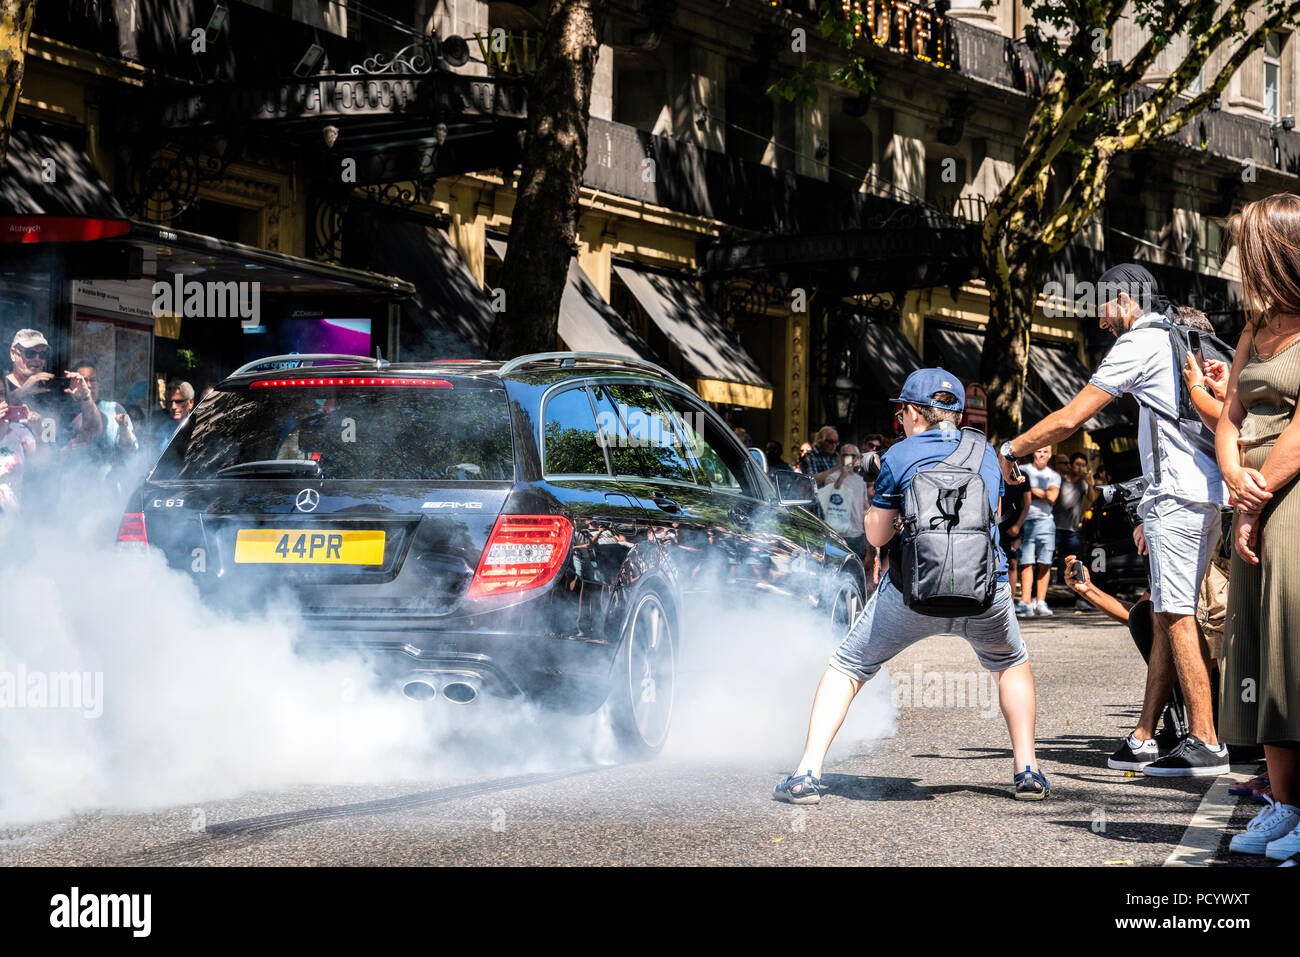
1042 610
1284 847
1275 821
1023 610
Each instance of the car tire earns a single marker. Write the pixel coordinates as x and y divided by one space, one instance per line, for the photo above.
846 604
644 686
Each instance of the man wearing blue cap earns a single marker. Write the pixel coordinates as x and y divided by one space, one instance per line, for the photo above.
1179 508
931 405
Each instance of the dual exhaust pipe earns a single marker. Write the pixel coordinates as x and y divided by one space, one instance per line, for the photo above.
456 688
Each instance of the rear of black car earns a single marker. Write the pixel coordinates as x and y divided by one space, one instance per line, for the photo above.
380 507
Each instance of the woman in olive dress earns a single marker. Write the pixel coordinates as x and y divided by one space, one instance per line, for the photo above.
1258 444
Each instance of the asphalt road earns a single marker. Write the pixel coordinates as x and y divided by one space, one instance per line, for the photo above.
936 792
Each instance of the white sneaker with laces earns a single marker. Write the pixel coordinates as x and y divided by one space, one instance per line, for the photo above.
1023 610
1284 847
1275 821
1042 610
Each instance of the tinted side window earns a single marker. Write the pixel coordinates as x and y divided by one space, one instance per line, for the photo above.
572 446
723 466
641 442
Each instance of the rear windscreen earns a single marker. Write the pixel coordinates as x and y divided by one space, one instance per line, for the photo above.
392 433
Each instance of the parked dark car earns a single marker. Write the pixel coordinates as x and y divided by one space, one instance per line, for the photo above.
560 527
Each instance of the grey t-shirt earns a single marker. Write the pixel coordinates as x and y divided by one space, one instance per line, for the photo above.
1040 478
1068 510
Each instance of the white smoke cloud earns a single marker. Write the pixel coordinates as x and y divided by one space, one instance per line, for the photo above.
199 705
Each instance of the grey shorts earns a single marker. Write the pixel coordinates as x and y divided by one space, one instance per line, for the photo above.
1181 540
887 626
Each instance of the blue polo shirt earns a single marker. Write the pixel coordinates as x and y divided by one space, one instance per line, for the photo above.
919 451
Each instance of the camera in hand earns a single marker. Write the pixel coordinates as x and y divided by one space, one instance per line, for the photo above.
1127 494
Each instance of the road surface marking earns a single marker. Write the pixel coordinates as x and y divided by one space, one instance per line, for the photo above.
1201 839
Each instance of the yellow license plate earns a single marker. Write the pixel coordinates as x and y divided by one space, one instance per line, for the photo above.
286 546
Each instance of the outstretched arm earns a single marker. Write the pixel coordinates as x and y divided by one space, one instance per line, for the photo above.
1064 422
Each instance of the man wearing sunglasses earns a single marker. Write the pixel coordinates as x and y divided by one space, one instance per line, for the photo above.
28 383
931 403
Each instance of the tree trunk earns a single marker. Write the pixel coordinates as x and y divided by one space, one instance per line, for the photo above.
544 226
1012 292
15 29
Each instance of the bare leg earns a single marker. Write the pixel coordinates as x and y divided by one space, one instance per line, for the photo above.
1284 771
1193 676
1041 573
1027 583
835 692
1016 696
1160 681
1013 576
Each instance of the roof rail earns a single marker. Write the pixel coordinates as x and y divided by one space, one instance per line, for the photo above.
310 359
565 359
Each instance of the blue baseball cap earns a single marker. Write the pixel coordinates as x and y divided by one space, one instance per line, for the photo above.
921 385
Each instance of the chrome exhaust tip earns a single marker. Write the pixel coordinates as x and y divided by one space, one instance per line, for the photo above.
420 689
461 690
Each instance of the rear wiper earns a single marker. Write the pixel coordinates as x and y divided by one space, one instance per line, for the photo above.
271 468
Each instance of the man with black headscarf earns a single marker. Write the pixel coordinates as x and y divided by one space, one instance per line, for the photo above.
1180 513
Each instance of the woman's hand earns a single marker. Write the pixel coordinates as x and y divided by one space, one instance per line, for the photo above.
1216 377
1246 537
1192 373
1249 488
1075 581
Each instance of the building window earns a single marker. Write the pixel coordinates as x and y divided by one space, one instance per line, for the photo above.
1273 75
750 114
640 91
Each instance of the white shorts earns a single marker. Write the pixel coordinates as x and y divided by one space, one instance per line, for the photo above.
1181 540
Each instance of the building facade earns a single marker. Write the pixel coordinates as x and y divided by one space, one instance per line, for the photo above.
793 259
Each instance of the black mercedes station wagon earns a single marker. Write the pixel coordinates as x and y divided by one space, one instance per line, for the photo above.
560 527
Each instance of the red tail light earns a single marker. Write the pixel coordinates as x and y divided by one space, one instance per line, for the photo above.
131 533
524 551
351 380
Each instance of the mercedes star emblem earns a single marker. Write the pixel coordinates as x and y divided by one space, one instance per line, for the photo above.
307 500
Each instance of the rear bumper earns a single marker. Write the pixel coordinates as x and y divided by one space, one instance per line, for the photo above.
565 674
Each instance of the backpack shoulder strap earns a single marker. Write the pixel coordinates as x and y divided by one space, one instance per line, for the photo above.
969 453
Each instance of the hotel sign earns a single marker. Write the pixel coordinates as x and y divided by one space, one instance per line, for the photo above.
902 27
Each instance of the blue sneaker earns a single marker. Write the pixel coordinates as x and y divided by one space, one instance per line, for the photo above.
798 789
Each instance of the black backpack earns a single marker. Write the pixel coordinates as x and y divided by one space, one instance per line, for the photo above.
1189 421
946 564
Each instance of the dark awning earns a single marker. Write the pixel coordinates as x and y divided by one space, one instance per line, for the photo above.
47 173
960 354
1062 376
219 260
725 372
447 294
587 323
892 358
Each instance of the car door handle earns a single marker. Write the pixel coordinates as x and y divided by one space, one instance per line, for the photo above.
664 502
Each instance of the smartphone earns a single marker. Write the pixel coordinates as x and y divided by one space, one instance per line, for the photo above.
16 413
1194 343
1076 567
